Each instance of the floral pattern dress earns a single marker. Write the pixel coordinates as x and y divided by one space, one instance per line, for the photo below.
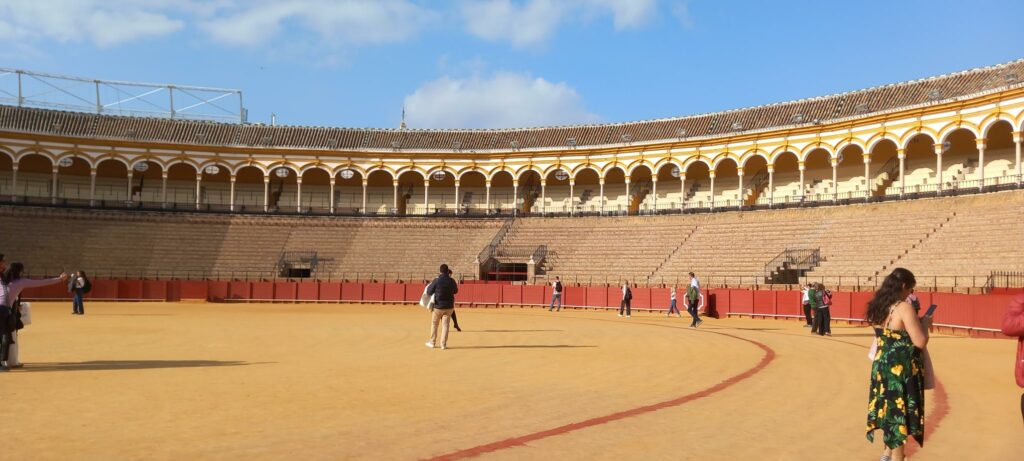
896 403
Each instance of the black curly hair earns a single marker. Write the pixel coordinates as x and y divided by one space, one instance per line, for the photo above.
889 294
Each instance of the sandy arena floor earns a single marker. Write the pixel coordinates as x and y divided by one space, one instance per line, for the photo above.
259 381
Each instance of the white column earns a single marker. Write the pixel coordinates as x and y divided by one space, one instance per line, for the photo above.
543 197
1018 138
14 181
654 190
938 168
199 183
867 176
458 203
980 142
365 183
771 185
298 194
803 191
394 203
426 196
515 197
682 191
231 202
131 176
163 188
53 186
739 173
572 199
332 194
92 185
487 197
901 154
601 182
266 194
712 175
835 179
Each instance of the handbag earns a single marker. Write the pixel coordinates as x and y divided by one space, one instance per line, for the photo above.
16 314
26 312
427 301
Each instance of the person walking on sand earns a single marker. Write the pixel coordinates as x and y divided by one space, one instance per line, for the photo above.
627 298
443 288
805 298
898 373
693 300
556 294
672 304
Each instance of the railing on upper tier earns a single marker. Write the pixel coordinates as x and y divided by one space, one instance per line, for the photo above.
993 184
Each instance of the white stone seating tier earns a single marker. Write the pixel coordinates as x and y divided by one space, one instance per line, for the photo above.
967 236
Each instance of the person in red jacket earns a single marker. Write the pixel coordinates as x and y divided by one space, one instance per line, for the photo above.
1013 325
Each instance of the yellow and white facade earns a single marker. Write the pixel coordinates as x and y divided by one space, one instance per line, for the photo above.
918 144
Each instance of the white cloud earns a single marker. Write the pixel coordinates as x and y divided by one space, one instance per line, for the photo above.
531 23
682 12
346 21
500 100
104 23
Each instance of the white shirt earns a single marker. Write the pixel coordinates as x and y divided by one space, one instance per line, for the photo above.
807 297
79 282
695 283
672 295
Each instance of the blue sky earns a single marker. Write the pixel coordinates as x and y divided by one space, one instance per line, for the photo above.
505 63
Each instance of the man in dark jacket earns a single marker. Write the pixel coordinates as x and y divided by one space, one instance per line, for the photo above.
627 298
443 288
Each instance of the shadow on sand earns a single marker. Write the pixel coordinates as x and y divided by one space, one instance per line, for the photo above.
504 331
519 346
99 365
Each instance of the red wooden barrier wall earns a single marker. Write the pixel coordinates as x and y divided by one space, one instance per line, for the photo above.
958 310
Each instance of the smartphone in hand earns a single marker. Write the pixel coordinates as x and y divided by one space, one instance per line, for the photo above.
931 310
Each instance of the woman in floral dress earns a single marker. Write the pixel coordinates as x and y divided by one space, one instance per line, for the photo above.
896 400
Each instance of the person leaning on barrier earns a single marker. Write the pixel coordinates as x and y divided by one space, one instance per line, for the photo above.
443 289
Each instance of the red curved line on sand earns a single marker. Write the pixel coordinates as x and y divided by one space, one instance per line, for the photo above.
934 417
769 355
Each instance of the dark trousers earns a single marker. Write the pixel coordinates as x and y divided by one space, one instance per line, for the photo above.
77 306
624 305
692 309
807 313
672 308
455 321
822 321
6 337
5 347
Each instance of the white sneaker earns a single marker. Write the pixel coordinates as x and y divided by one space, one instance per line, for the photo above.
620 315
627 316
430 344
444 347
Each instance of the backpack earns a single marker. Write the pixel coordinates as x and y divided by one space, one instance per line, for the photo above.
86 285
826 298
558 286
